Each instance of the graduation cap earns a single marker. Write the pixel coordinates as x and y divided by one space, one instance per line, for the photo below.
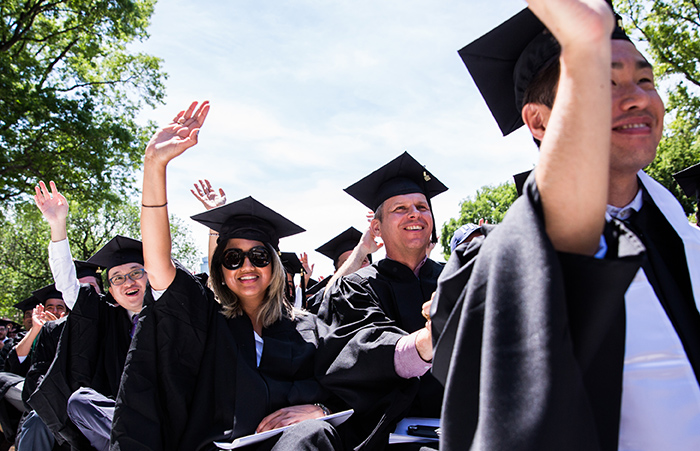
291 263
27 304
247 218
346 241
689 180
46 293
5 322
519 180
402 175
118 251
506 60
85 269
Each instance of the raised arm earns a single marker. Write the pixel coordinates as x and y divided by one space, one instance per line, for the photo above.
54 207
572 175
210 199
167 143
367 245
39 318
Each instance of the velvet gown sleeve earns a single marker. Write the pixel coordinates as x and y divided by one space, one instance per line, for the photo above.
529 342
155 401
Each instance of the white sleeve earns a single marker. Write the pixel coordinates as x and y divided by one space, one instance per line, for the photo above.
63 270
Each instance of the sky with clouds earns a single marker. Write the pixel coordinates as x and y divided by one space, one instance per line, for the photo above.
309 96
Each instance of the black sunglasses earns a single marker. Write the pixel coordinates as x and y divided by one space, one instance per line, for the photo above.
258 256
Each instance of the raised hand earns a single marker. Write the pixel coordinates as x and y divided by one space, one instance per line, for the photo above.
208 196
54 207
369 242
572 21
41 317
178 136
304 259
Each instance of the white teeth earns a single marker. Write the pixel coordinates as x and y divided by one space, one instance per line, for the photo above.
248 277
628 126
132 292
414 228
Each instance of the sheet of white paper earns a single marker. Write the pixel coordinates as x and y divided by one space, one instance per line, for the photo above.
334 419
400 435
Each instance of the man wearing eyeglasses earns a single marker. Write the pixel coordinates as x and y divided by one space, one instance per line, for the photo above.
76 398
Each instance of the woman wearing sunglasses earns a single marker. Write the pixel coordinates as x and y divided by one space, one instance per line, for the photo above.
201 371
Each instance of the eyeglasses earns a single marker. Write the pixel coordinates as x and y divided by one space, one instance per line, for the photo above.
134 275
258 256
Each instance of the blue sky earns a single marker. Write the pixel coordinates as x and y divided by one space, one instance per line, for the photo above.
309 96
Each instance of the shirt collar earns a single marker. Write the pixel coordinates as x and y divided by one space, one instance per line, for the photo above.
623 213
419 266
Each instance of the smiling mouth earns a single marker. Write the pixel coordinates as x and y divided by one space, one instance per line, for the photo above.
415 227
132 292
632 126
247 278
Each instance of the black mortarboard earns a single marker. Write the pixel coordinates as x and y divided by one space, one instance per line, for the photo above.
27 304
689 180
519 180
505 60
46 293
344 242
118 251
247 218
85 269
402 175
6 322
291 262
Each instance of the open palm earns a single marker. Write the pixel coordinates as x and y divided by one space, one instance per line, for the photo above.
54 205
178 136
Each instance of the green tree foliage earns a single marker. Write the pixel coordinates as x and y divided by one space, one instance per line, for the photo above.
671 28
490 204
24 239
69 93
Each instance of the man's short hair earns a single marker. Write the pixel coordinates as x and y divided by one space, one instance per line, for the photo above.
543 88
379 212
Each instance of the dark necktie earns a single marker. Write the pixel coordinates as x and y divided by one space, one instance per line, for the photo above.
134 322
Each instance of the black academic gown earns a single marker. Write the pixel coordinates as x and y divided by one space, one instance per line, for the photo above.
314 295
42 355
14 374
91 353
191 375
386 293
529 341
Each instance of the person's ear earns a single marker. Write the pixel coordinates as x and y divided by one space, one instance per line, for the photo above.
536 117
375 227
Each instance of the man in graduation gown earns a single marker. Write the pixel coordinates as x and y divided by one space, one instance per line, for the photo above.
76 397
541 346
378 306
